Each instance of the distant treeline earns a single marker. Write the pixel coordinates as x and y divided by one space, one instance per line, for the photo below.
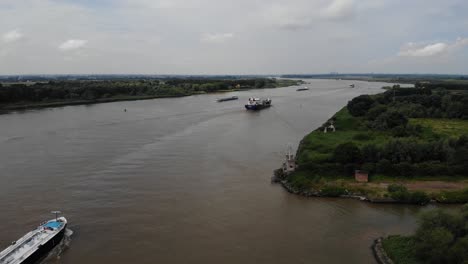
53 91
409 103
406 78
448 85
118 77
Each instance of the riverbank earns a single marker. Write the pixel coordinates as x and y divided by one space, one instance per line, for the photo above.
22 96
379 252
26 106
412 154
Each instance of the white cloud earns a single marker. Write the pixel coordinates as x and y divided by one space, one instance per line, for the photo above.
340 10
430 50
217 37
12 36
413 50
73 44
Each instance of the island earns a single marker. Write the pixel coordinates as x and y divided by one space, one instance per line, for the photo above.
405 145
36 92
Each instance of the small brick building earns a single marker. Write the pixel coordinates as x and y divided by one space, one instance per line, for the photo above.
361 176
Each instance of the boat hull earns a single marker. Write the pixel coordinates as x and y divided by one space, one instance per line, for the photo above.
227 99
44 250
256 107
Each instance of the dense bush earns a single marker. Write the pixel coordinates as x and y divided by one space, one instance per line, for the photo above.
453 196
443 237
347 153
401 193
332 191
360 105
389 120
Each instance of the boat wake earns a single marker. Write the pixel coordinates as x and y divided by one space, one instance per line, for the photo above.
56 253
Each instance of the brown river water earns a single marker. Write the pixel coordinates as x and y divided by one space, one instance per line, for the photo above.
184 180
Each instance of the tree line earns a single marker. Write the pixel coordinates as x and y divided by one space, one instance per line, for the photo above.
93 90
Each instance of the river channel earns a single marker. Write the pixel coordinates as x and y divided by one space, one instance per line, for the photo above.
184 180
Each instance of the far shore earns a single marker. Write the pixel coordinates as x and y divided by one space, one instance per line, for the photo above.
14 107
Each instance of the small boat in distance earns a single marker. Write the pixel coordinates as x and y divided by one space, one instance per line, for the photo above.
36 244
257 103
227 99
351 85
303 89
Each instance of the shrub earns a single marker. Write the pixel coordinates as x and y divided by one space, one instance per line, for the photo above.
332 191
401 193
453 196
396 188
389 120
419 197
400 249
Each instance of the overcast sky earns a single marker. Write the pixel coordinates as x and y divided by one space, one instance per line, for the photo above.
233 37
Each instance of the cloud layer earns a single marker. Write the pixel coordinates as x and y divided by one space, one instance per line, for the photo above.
72 44
12 36
216 37
429 50
233 37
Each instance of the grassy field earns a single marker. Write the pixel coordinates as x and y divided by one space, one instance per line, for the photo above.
446 127
400 249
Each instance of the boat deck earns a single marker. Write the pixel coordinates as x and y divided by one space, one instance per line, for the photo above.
28 244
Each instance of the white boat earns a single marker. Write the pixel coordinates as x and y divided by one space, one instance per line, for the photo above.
36 244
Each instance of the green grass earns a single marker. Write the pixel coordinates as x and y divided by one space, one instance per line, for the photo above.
318 146
400 249
460 196
445 127
388 179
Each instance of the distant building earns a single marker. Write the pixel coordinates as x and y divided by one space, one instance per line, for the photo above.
361 176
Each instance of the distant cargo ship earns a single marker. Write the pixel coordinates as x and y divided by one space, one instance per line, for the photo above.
227 99
257 103
36 244
303 89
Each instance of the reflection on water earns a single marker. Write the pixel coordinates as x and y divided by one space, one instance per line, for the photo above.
56 253
184 180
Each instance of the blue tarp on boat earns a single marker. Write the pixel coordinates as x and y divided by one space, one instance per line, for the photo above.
53 224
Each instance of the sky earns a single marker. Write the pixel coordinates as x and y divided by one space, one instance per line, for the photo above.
233 37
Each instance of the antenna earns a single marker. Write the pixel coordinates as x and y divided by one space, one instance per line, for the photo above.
289 155
56 214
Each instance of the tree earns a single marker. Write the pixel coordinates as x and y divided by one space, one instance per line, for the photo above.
360 105
442 237
390 120
433 245
347 153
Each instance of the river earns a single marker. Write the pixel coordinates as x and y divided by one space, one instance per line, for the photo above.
184 180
